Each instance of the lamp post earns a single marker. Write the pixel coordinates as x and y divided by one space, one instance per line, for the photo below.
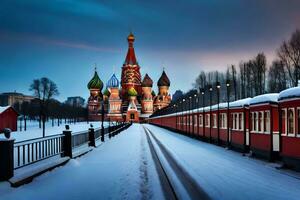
175 107
210 101
190 101
102 121
228 91
183 108
218 86
202 90
194 121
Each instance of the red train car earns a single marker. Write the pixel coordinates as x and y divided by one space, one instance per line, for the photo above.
219 123
239 125
8 118
289 104
264 129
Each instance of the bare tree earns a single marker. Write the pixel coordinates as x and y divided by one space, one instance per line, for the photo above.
44 89
289 54
234 77
277 77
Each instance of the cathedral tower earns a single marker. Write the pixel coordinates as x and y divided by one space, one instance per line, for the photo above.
131 76
163 98
114 101
95 86
147 101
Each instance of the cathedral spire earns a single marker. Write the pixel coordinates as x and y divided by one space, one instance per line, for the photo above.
130 58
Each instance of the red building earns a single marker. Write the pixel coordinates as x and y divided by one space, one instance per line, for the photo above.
8 118
264 129
289 104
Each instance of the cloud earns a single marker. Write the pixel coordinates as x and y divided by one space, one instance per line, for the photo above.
4 36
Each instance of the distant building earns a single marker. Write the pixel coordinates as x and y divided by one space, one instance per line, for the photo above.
8 118
75 101
12 98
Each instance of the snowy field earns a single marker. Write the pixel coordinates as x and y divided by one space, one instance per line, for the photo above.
33 130
121 168
224 174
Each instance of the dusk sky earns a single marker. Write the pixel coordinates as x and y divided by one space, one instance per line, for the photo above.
63 39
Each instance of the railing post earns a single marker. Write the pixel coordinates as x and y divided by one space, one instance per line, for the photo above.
6 156
67 142
92 142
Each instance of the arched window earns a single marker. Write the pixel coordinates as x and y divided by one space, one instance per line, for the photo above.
291 124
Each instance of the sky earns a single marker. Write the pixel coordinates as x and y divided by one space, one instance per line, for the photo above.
63 39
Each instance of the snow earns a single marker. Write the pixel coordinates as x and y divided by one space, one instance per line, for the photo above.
290 93
120 168
33 130
225 174
265 98
2 109
240 103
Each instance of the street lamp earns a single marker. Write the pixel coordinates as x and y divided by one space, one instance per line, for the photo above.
102 121
183 108
210 101
202 90
193 120
218 86
175 115
228 91
190 101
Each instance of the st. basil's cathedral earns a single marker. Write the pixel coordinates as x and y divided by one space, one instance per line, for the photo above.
135 101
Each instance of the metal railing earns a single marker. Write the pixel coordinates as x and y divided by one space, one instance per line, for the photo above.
31 151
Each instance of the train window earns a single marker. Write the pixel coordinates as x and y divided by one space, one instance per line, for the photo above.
267 122
283 121
256 121
195 120
241 121
233 121
207 120
200 120
261 122
291 124
214 120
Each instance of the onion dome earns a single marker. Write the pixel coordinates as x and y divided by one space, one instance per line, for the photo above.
163 80
113 82
95 82
106 92
147 81
132 92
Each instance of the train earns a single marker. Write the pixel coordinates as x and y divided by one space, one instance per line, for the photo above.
265 126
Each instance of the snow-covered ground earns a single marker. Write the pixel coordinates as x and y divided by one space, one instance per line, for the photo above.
121 168
33 130
224 174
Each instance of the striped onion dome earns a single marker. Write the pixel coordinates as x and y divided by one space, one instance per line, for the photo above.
95 82
132 92
113 82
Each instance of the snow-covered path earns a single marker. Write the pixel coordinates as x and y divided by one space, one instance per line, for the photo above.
121 168
224 174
